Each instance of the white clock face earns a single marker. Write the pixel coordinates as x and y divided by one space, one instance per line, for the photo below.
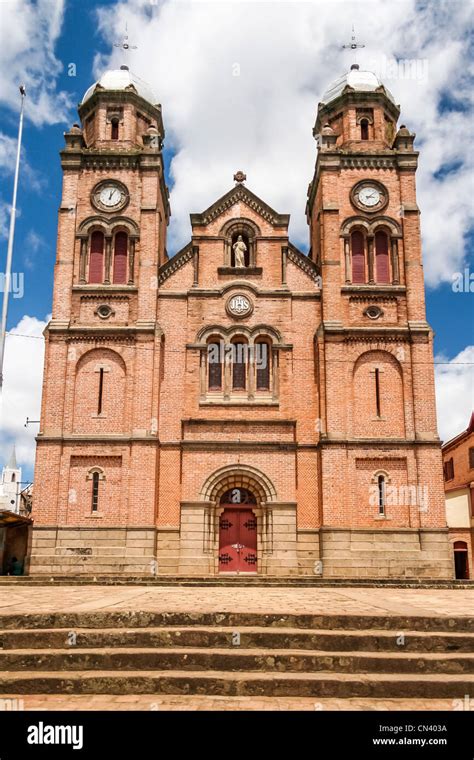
110 196
369 196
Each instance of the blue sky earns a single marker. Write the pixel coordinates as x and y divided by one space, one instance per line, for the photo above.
181 52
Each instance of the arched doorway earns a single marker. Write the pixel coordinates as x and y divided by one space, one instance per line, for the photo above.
461 561
238 532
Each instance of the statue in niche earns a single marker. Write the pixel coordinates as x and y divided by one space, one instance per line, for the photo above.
240 250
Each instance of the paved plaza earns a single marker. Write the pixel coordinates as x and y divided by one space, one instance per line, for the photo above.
327 601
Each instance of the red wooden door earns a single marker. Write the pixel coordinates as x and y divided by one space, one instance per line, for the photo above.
237 540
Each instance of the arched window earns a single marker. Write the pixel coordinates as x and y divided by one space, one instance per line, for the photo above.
262 365
13 477
239 365
114 129
382 270
96 259
95 491
214 365
381 493
364 129
120 258
358 257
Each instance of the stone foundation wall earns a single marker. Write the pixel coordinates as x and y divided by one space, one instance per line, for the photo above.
398 553
101 551
282 550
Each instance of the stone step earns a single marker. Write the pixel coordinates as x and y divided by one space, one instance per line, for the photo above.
195 702
221 637
106 619
50 575
238 659
318 685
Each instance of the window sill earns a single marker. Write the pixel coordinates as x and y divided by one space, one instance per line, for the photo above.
240 271
382 517
373 288
239 402
100 287
93 516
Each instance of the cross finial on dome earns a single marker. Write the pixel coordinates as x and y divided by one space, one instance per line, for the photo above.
353 46
125 44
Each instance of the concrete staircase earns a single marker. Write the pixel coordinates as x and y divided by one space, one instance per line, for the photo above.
237 654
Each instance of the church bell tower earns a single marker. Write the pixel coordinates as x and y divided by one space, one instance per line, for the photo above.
381 490
95 499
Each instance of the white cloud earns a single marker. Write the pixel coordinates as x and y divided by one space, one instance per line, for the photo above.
29 31
454 392
261 120
23 373
34 245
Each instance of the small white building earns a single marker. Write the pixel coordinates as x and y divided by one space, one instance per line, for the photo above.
10 485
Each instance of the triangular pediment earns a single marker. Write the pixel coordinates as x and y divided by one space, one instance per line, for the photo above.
240 194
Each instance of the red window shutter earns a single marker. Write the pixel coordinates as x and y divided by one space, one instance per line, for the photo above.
358 257
238 367
96 261
214 359
120 258
381 257
262 362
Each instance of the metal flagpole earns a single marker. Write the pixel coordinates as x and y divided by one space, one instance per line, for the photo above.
8 265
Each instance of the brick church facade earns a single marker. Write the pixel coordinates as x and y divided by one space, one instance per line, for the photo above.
239 407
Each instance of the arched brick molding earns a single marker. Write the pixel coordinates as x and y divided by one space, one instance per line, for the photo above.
99 392
377 405
238 476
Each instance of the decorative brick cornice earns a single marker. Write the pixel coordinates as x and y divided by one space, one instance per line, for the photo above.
236 195
374 290
368 162
373 299
176 262
388 443
303 262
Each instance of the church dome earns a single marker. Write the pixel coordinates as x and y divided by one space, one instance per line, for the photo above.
360 81
121 79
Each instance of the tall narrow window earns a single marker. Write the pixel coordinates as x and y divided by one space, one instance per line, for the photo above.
358 257
120 258
95 491
364 129
239 366
214 363
381 257
449 469
471 458
96 259
381 488
114 129
377 391
262 364
101 390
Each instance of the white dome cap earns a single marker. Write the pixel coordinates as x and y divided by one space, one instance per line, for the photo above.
120 79
361 81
